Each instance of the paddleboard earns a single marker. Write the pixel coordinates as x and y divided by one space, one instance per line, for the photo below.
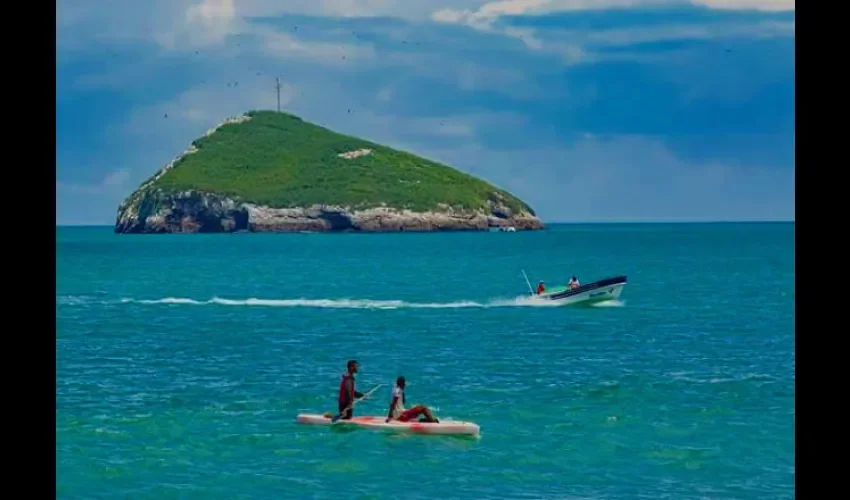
415 427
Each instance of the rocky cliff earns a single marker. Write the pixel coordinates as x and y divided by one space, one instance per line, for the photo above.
286 175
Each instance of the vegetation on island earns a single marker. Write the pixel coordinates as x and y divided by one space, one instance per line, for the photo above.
279 160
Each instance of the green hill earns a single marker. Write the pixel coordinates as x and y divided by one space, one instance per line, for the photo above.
278 161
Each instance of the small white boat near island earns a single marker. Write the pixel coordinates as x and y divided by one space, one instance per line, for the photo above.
603 290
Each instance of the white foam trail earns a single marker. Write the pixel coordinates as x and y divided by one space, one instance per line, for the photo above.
351 303
610 303
167 300
71 300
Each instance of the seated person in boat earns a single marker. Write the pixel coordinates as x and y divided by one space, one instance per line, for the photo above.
540 287
573 284
397 411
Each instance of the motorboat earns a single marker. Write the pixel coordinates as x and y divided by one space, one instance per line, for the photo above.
598 291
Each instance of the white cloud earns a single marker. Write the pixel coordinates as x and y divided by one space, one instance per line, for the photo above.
406 9
178 24
385 94
212 13
199 24
94 203
483 12
392 129
211 20
194 111
574 45
637 35
284 45
489 11
115 179
511 7
764 5
114 182
526 35
397 130
81 27
449 16
462 72
627 177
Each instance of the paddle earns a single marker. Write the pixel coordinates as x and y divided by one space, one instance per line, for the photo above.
351 405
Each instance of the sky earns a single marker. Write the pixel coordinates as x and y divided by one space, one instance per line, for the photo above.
589 110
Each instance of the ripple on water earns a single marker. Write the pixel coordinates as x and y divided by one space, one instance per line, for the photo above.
682 392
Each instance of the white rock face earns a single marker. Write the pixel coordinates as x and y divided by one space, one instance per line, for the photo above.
192 211
357 153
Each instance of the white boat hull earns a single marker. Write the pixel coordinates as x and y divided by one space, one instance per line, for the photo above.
598 291
378 422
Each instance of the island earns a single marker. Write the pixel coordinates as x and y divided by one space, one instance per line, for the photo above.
269 171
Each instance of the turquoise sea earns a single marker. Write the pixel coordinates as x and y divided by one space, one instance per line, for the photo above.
182 361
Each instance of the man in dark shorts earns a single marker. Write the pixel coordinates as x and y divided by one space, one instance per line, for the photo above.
347 393
397 411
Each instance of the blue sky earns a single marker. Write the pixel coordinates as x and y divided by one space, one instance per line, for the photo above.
590 110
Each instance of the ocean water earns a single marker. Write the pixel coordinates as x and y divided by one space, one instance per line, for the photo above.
182 361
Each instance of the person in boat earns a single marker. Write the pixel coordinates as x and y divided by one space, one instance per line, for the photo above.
573 283
540 287
397 411
347 392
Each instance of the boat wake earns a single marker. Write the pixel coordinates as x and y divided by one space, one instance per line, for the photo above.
349 303
520 301
609 303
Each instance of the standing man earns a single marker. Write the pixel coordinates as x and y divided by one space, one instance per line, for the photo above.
347 393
